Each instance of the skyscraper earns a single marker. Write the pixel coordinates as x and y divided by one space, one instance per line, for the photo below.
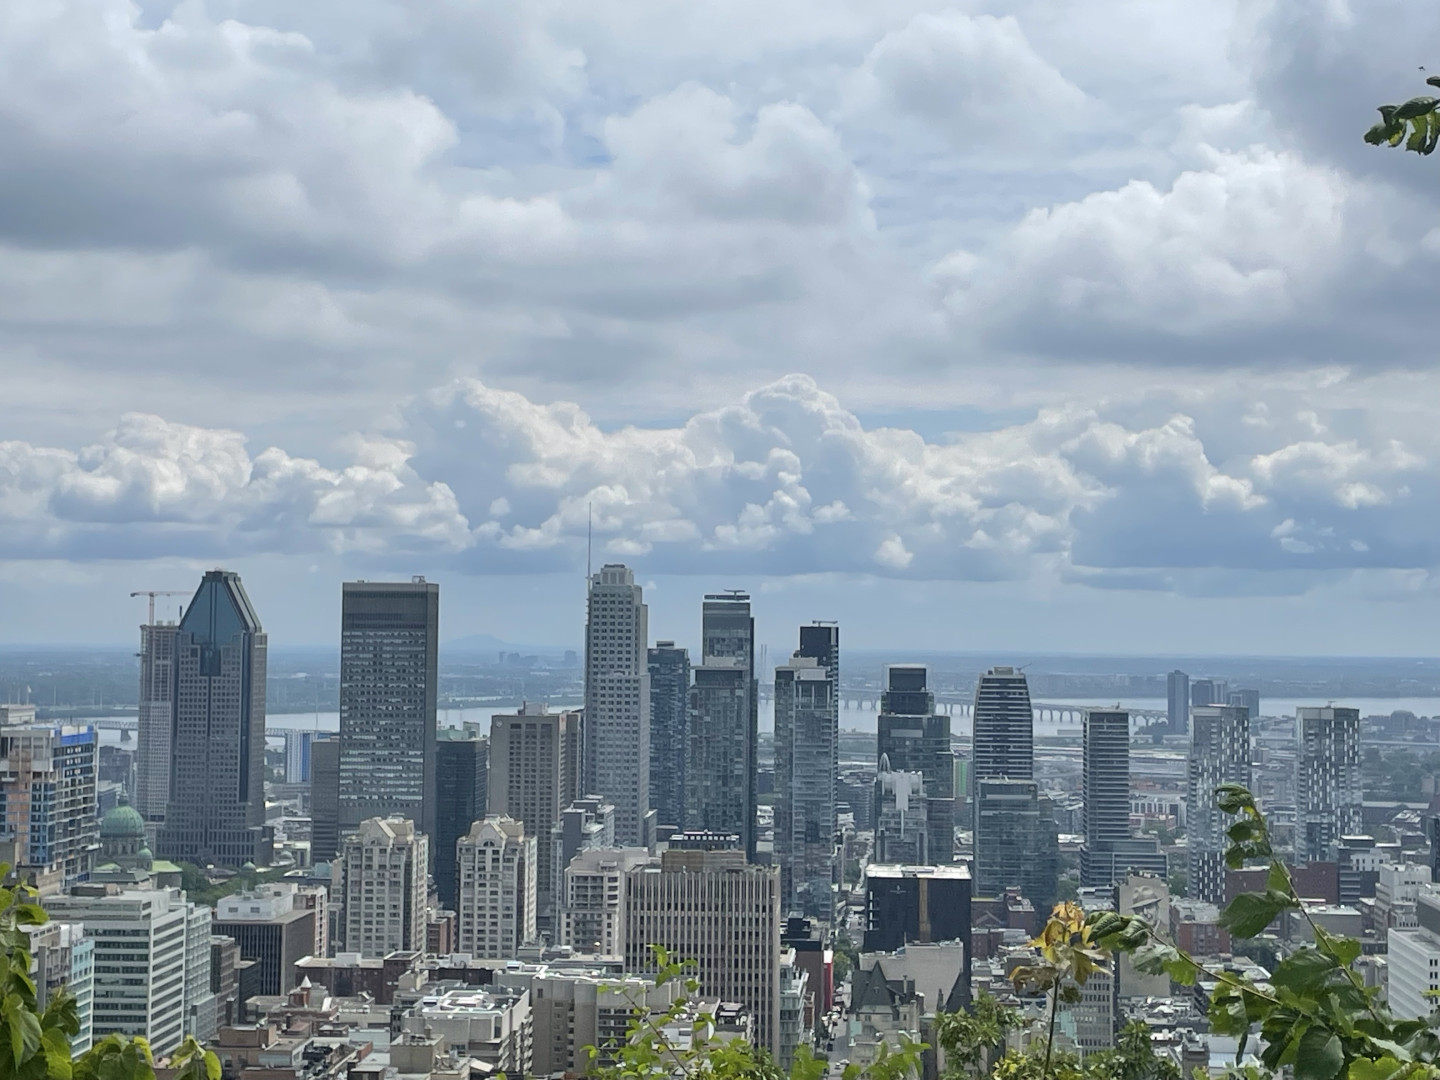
325 798
152 746
47 797
389 634
1328 791
729 720
1248 698
717 787
1177 702
534 773
1209 692
1004 739
617 699
914 738
1219 754
462 759
807 735
669 711
1106 782
1016 845
1110 853
216 810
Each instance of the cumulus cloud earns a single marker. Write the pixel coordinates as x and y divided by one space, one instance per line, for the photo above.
785 480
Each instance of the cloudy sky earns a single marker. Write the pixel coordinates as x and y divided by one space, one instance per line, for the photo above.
1020 325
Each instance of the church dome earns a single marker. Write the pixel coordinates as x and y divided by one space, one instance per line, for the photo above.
122 823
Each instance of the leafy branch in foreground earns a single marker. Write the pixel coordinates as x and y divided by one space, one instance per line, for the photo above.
1415 123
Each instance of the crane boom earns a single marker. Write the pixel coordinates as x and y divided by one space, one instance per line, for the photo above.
152 593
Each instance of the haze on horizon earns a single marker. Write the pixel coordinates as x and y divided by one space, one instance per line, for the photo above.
1011 327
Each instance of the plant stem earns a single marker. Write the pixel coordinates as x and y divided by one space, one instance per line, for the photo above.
1050 1036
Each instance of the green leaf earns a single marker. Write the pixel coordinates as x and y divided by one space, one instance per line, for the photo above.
1346 950
1416 106
1250 913
1383 1069
1320 1056
57 1054
1304 970
1233 798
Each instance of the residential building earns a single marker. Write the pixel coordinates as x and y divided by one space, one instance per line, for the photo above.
153 752
534 775
1106 789
216 812
271 928
720 764
1328 789
592 908
807 739
584 824
1016 841
389 637
382 875
923 904
496 866
1219 754
298 742
492 1025
151 966
724 913
616 752
462 764
1004 726
47 798
1177 702
914 738
669 668
324 799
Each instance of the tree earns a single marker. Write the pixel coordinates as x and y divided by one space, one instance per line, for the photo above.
39 1039
1415 123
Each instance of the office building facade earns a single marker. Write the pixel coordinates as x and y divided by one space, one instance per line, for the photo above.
382 880
669 668
324 799
907 905
616 755
389 638
1016 842
496 866
724 913
462 763
216 810
1329 795
592 906
534 775
914 738
152 738
1219 754
720 764
1004 726
1106 787
807 738
269 927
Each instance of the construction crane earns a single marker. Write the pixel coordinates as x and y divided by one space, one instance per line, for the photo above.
152 593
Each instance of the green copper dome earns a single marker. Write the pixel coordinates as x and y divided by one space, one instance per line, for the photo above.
122 823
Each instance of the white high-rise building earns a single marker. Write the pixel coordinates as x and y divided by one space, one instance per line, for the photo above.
382 873
152 977
495 867
592 912
1219 754
1328 791
63 956
1414 965
617 699
712 906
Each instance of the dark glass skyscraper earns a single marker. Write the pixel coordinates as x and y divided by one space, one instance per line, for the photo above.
1004 742
1110 852
389 633
461 766
807 737
325 799
724 722
216 810
1177 702
669 714
913 737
